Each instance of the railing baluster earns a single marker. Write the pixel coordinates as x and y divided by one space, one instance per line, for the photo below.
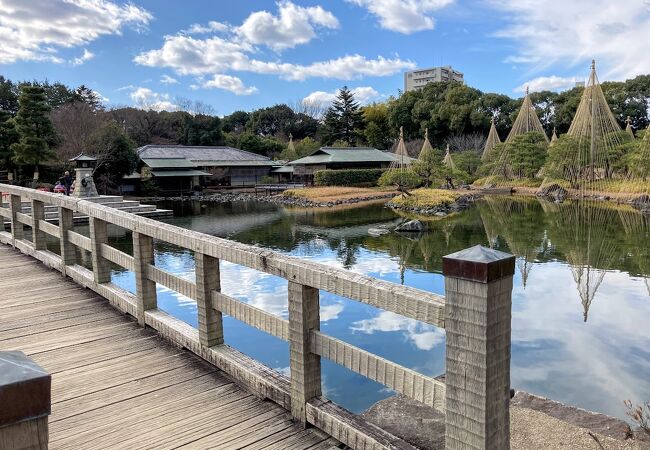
145 288
38 236
17 231
66 222
208 280
478 287
99 236
304 316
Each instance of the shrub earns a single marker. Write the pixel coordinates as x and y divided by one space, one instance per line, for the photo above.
407 179
350 177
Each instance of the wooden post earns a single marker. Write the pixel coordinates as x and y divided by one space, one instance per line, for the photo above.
66 222
25 391
208 280
15 206
38 236
99 236
304 316
145 288
478 309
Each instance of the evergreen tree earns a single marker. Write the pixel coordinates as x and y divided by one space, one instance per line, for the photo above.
34 128
344 119
8 136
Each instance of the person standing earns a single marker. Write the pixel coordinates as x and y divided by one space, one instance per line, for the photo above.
66 181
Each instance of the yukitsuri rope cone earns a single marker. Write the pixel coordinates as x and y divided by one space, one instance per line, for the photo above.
401 165
628 126
448 160
526 120
492 140
553 137
291 153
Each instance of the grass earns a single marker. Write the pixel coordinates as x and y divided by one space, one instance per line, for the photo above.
505 182
427 198
326 194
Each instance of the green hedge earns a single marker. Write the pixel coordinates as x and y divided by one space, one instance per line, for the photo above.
351 177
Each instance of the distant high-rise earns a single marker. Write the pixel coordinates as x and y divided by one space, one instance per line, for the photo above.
417 79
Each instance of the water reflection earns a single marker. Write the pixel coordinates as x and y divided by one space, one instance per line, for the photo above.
575 262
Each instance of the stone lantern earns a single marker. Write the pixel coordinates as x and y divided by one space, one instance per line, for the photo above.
84 186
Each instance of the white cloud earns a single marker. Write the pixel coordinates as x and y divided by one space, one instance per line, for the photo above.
190 56
404 16
37 29
212 27
294 25
166 79
424 336
86 56
550 83
363 95
145 98
229 83
331 312
615 34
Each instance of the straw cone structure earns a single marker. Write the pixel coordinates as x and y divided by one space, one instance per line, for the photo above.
448 160
553 137
427 149
526 120
292 154
628 126
492 140
401 164
596 130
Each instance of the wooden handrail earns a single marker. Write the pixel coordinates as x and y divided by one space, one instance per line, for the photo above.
301 394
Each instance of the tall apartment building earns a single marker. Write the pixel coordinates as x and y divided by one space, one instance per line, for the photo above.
417 79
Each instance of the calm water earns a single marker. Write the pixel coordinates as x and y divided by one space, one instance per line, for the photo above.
581 302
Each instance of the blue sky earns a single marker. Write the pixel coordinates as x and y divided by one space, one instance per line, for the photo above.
247 54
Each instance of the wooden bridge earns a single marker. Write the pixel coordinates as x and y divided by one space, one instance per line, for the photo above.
156 382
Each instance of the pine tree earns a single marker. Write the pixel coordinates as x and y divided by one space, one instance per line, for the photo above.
344 119
8 136
34 128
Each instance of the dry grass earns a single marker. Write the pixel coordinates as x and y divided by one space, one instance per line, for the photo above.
334 193
427 198
504 182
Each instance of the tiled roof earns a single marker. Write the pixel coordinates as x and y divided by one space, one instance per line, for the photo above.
198 153
177 163
329 155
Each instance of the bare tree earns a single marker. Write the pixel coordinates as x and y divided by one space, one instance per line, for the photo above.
194 107
412 147
75 124
463 142
312 108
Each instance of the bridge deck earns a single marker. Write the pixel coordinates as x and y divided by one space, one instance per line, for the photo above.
116 385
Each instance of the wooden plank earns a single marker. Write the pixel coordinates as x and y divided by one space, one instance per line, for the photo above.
349 428
23 218
117 257
419 387
255 317
79 240
171 281
47 227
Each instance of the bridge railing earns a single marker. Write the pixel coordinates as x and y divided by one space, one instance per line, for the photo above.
475 313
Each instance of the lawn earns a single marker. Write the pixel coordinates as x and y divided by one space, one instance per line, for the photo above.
427 198
327 194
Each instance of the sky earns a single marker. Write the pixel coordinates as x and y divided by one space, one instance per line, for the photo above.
246 54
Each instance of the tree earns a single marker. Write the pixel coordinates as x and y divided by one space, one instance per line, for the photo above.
115 154
256 144
306 146
428 165
8 96
377 129
236 122
34 128
89 97
343 120
527 154
8 136
468 161
75 124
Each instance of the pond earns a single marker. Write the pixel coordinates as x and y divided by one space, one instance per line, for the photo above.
581 299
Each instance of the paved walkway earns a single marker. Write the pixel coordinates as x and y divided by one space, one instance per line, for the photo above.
116 385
